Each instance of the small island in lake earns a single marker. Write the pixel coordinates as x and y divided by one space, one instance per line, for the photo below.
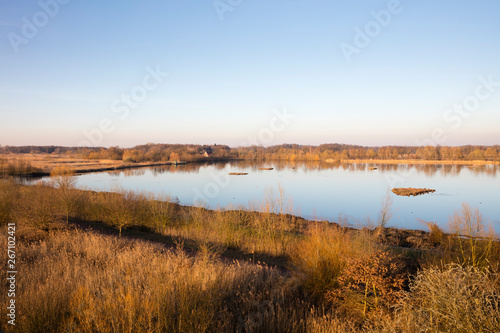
410 191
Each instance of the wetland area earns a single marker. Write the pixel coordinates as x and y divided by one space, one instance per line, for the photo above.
353 192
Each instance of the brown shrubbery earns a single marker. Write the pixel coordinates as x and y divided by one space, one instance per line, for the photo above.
452 299
132 276
370 285
16 167
320 258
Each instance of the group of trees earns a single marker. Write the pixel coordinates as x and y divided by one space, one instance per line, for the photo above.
338 152
287 152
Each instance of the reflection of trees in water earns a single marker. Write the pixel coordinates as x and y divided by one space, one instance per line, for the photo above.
360 167
451 170
312 166
443 169
183 168
387 167
134 172
129 172
490 170
408 169
454 170
282 165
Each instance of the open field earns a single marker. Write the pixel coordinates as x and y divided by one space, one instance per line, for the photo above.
102 262
45 163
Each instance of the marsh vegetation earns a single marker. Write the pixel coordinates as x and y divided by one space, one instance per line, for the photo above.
411 191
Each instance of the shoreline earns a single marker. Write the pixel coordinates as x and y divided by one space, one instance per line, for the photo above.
45 163
392 236
428 162
97 170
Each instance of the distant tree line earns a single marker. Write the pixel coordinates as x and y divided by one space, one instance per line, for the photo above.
285 152
39 149
339 152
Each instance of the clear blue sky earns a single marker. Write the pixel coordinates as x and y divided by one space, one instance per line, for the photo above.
226 77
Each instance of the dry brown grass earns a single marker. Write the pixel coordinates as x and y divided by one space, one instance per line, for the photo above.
271 233
331 323
15 167
474 241
76 281
9 193
330 278
47 162
436 234
320 258
452 299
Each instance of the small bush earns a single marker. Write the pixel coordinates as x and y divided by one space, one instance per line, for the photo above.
436 234
369 284
162 214
473 244
320 257
37 207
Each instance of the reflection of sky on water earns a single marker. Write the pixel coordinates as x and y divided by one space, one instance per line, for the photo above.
320 190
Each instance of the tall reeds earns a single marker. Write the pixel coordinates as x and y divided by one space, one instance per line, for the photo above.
80 281
475 242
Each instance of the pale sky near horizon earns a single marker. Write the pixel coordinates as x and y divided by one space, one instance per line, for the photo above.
406 72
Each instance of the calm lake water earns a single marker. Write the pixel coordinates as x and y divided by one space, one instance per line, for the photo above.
321 191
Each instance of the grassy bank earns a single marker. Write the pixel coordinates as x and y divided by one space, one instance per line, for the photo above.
116 262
